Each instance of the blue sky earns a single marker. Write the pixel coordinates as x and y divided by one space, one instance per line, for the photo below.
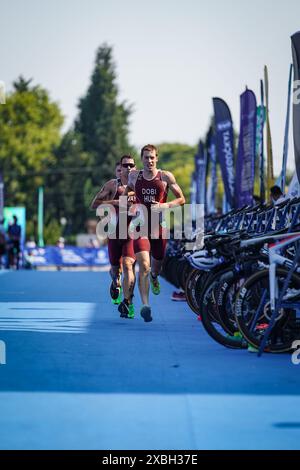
171 57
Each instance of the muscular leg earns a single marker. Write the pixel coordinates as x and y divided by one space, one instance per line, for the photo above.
157 251
115 254
143 259
115 272
155 266
128 278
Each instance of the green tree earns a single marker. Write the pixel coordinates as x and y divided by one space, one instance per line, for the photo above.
30 131
52 232
65 194
103 122
179 159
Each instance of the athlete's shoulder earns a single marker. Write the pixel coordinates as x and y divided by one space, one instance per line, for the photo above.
168 176
111 183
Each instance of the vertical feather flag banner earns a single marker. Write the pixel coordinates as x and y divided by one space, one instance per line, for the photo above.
294 187
201 171
193 198
225 151
212 160
245 163
296 99
270 172
286 133
261 119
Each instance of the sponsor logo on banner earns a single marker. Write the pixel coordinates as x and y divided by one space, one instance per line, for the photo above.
224 126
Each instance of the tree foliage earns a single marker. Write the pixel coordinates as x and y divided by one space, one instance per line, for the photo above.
103 122
98 140
30 131
179 159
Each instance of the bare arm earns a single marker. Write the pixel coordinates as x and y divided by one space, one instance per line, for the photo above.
179 200
105 195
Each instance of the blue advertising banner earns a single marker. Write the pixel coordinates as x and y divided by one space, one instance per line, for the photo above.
193 197
68 256
296 99
200 167
224 143
286 133
196 179
294 187
244 183
212 161
261 119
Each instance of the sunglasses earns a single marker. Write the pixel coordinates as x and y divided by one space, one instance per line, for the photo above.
128 165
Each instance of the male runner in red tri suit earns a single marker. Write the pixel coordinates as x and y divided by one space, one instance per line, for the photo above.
119 248
151 187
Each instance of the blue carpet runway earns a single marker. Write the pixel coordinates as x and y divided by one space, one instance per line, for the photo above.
79 377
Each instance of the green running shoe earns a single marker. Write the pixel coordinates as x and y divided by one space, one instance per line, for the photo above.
130 311
155 285
252 349
236 336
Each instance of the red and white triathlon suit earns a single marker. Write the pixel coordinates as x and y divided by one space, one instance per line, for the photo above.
124 247
147 192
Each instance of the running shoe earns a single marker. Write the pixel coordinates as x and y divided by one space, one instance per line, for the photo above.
178 297
126 310
115 293
155 285
252 349
146 313
237 336
131 311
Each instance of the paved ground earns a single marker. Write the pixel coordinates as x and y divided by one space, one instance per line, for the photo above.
79 377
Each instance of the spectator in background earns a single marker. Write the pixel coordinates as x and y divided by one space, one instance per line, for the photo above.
60 242
30 252
30 244
14 243
2 244
277 196
93 243
257 200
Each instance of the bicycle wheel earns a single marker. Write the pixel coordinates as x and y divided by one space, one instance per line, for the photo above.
229 286
194 284
185 271
253 312
213 275
211 322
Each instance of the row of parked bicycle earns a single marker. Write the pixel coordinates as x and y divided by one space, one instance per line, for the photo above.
244 282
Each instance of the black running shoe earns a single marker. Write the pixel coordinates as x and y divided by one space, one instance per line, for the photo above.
115 293
146 313
123 309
